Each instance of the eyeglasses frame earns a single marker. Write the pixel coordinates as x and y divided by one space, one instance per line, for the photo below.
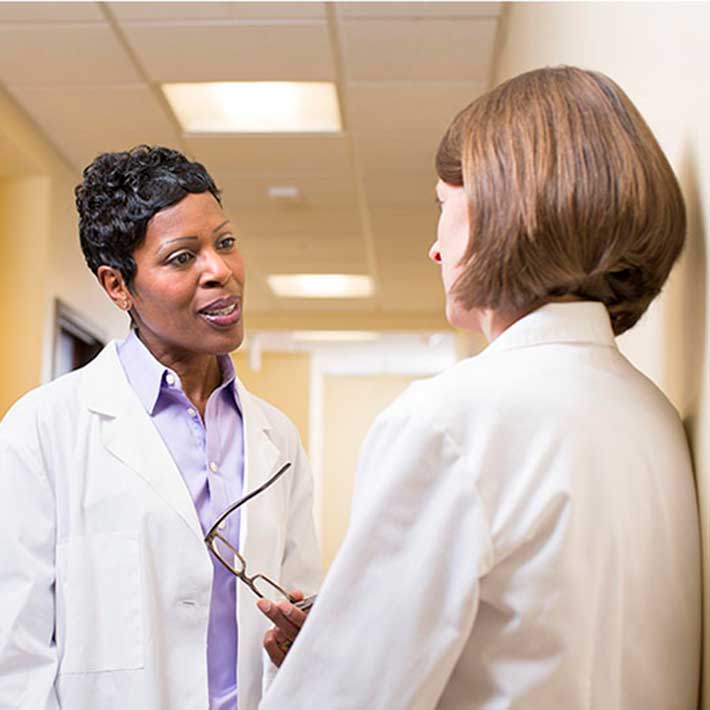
213 534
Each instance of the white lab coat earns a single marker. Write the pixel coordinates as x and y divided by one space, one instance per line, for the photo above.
105 579
524 536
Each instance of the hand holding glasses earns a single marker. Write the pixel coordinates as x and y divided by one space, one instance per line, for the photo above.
229 556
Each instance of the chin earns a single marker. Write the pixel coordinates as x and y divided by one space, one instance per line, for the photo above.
220 343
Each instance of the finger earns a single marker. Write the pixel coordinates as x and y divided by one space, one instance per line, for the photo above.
296 595
295 616
281 638
273 648
284 615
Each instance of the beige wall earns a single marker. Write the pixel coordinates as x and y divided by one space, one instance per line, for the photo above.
659 54
283 379
349 406
39 256
24 228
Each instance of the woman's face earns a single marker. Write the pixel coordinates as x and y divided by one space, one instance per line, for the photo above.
187 291
452 237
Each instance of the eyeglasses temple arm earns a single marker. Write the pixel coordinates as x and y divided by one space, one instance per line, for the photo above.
246 498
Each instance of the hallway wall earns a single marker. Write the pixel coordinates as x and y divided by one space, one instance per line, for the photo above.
658 54
40 259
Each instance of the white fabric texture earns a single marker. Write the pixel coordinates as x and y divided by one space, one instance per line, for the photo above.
105 582
524 536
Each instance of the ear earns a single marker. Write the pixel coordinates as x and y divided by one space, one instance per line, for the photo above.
112 282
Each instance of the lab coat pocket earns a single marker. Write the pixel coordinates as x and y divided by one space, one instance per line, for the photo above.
99 607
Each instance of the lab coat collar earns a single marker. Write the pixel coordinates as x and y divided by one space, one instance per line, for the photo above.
574 322
129 434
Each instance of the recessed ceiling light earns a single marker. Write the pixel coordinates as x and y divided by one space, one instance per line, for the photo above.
321 285
255 106
334 336
283 193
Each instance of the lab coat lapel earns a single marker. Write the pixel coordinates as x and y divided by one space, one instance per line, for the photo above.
261 459
131 437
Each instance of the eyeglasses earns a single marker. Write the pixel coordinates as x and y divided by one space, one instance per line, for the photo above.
230 557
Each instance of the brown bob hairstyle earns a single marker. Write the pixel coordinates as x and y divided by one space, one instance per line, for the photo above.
569 194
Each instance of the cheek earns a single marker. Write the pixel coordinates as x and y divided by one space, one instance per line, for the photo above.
165 295
237 267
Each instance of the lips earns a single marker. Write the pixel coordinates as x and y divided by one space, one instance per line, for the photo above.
222 312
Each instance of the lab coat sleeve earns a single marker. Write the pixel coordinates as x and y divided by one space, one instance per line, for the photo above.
28 656
401 597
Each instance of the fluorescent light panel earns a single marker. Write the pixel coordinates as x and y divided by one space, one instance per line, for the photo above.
321 285
255 106
334 336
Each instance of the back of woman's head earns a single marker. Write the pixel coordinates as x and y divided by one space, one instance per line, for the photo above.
569 195
119 194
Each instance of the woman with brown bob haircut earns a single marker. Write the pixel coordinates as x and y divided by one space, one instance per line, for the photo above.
524 532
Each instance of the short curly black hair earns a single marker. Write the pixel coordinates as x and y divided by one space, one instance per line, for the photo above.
119 194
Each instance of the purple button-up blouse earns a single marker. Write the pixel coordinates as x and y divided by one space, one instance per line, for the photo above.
210 457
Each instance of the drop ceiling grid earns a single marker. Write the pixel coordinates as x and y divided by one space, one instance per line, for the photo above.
407 68
397 125
314 155
63 55
315 191
416 10
229 51
43 12
181 11
435 49
86 121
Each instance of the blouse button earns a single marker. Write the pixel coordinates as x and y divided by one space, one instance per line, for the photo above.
213 467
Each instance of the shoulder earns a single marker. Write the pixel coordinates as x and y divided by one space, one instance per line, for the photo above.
59 402
53 397
457 391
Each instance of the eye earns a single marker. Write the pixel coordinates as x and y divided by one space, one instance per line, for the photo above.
439 203
227 243
182 258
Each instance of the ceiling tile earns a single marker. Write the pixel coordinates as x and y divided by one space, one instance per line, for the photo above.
397 127
287 259
411 287
349 10
63 55
403 189
446 50
267 155
233 52
294 221
404 234
337 190
83 122
216 10
50 12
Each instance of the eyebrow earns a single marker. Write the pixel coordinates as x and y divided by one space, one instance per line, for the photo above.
190 237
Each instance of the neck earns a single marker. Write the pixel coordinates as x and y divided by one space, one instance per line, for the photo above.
493 323
199 373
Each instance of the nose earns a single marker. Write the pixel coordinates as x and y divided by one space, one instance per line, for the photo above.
434 253
216 270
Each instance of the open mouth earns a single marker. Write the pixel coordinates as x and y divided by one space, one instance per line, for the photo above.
223 313
227 310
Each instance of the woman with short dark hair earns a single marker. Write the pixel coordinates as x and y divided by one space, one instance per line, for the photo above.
113 477
524 531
